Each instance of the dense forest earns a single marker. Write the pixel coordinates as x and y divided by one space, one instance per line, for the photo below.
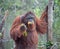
13 8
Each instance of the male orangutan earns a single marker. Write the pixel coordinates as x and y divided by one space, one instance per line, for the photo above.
25 29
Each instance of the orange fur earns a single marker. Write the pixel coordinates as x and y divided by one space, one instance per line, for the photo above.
44 21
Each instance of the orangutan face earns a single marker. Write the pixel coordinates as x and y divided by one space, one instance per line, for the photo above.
29 20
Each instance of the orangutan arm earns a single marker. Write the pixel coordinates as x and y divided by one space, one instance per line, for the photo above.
15 29
42 23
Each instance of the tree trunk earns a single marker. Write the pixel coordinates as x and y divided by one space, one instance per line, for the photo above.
50 22
2 32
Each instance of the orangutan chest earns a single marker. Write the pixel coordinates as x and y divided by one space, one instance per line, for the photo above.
31 38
